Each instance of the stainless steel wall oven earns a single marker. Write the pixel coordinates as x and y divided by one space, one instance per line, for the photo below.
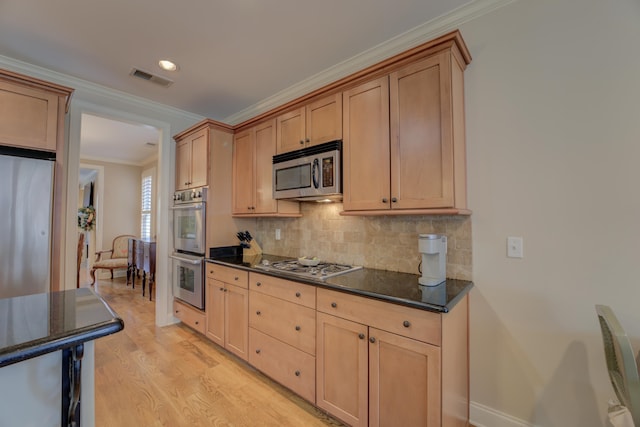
189 240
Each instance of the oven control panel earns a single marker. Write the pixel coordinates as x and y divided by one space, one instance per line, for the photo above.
194 195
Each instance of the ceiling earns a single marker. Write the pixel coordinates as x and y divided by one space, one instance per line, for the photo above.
232 54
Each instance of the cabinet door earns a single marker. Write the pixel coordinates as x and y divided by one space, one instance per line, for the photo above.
243 167
183 164
215 311
291 134
342 369
366 146
393 400
265 148
324 120
236 330
199 159
29 117
421 135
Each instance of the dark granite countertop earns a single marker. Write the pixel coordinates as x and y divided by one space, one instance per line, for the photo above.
398 288
34 325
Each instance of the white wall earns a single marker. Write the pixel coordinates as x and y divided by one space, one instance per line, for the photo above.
553 127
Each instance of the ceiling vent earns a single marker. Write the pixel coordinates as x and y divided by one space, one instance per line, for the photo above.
153 78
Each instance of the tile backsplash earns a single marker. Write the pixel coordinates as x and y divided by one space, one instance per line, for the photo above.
381 242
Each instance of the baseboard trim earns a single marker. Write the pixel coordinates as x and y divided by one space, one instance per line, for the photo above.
484 416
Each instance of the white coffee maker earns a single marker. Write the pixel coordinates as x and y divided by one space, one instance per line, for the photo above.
433 248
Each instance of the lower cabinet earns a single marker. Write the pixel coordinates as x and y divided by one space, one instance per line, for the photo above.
369 376
227 308
190 316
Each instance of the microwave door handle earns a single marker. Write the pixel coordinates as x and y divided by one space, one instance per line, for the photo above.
315 172
188 261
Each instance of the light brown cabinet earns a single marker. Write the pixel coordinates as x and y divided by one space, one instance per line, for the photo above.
190 316
282 332
315 123
227 305
367 349
404 142
192 159
253 150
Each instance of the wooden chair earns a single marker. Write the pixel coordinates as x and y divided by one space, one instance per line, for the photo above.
117 260
621 363
80 251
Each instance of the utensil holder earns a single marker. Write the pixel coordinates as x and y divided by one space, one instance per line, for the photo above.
254 249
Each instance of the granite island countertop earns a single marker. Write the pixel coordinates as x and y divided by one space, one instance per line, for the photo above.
390 286
38 324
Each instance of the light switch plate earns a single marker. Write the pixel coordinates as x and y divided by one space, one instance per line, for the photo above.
514 247
278 237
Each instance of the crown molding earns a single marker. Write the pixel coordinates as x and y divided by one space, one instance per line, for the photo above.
82 87
412 38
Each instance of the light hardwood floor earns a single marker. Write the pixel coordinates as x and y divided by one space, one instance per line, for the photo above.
172 376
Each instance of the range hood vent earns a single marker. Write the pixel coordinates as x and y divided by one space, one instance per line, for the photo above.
153 78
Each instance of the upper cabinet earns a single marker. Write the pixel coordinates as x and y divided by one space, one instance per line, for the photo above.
32 112
404 141
253 150
192 159
317 122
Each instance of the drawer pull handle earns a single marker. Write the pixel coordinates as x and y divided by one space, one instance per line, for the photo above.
361 336
406 323
258 312
297 328
372 340
297 373
258 284
334 305
297 294
258 351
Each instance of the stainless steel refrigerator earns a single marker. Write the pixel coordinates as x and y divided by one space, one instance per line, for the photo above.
26 193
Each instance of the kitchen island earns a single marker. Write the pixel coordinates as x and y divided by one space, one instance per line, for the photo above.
370 347
46 356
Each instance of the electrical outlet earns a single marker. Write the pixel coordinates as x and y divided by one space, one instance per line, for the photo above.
514 247
278 236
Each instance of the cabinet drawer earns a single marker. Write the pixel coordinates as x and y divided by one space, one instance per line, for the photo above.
228 274
294 292
291 323
189 316
413 323
290 367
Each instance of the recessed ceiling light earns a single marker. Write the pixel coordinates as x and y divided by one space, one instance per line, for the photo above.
167 65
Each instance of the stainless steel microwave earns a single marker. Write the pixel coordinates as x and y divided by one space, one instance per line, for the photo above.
313 173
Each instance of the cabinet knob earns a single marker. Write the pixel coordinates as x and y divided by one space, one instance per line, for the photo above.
394 199
225 290
197 323
222 289
210 271
297 328
297 294
258 283
406 323
177 311
384 200
361 336
334 305
301 142
297 373
307 140
236 278
257 351
372 340
258 312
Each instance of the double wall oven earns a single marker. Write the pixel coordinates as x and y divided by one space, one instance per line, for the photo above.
189 241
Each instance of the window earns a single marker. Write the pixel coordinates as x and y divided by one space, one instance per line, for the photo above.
146 203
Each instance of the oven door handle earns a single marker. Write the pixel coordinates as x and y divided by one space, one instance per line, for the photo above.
188 206
188 261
